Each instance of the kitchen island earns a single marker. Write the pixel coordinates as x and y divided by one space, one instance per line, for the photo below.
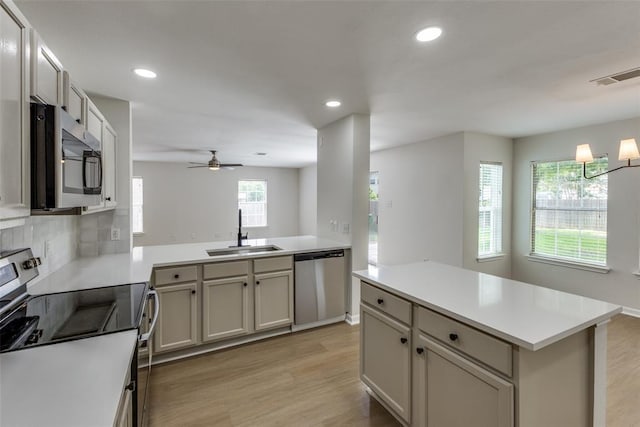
443 345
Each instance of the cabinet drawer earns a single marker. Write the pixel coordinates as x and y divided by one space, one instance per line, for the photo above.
263 265
485 348
166 276
226 269
384 301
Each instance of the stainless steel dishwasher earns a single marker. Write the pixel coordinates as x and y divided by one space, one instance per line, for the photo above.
319 288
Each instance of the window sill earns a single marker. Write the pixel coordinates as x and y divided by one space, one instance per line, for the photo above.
602 269
489 258
254 226
138 234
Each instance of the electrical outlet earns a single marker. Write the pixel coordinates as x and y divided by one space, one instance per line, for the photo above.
345 228
115 233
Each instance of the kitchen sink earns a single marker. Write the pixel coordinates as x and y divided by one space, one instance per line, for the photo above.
243 250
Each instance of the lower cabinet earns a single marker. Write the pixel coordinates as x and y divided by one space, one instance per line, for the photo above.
452 391
273 296
385 359
225 308
177 325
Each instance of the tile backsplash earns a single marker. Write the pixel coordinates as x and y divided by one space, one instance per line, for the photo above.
95 233
59 233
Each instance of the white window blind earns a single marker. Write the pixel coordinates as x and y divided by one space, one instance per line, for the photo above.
252 199
569 213
136 204
490 210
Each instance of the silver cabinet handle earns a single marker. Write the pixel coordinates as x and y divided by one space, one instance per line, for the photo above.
156 302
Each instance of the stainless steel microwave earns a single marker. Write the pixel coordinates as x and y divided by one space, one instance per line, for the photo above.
66 161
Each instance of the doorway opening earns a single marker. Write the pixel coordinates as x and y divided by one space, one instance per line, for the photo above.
373 217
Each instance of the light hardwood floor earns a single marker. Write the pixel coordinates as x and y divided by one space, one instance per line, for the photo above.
311 379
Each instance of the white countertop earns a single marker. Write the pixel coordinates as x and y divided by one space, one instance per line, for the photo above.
76 383
527 315
107 270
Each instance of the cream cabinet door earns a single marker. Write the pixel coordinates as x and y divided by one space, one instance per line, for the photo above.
177 325
14 115
455 392
225 308
109 169
385 359
273 299
46 73
95 120
74 100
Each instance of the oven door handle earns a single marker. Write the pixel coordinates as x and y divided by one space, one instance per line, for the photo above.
156 313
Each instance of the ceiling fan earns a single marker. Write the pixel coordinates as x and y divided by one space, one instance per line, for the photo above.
214 164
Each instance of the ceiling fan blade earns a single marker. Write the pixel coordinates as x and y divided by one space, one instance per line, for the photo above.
231 165
198 163
203 166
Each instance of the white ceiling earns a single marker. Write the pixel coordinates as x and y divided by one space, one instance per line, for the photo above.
245 77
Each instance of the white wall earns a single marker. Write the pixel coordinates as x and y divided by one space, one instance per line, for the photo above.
421 201
619 285
343 177
481 147
95 229
196 205
308 199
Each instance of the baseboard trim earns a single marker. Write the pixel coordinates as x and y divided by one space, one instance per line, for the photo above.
631 311
353 319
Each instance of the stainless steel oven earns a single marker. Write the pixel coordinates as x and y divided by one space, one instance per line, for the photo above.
66 161
142 369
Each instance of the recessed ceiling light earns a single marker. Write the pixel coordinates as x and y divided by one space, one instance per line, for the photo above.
428 34
147 74
333 103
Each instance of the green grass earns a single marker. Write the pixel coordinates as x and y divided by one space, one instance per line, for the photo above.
587 246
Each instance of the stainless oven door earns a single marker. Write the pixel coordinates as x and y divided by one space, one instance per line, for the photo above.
149 319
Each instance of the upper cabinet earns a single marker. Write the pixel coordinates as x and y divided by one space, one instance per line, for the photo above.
74 100
14 114
46 73
95 120
109 165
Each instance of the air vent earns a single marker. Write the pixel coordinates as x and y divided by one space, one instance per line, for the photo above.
618 77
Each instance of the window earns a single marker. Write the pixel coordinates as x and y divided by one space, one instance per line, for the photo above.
252 199
136 202
490 210
569 213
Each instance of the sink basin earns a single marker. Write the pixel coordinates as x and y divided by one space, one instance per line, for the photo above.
243 250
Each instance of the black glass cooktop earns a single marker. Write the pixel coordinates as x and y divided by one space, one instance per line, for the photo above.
52 318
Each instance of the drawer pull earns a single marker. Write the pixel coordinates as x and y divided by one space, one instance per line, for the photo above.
380 301
453 337
244 284
403 340
193 291
176 276
257 282
419 350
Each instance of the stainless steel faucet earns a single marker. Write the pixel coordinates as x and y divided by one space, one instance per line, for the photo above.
240 236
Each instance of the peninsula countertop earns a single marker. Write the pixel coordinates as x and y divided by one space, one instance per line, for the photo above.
75 383
529 316
136 266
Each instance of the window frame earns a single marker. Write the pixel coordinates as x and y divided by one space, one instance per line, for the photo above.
134 205
498 253
559 260
266 201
